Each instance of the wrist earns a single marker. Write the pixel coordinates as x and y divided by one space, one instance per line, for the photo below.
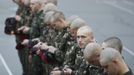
62 72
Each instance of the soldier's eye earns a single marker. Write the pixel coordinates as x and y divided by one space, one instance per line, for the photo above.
31 3
105 66
83 36
78 36
54 25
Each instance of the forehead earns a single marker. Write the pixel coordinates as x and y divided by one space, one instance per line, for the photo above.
74 29
33 1
103 63
83 33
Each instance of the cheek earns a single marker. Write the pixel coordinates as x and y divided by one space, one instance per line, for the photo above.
36 7
90 40
75 33
85 41
32 6
112 70
77 40
116 70
58 25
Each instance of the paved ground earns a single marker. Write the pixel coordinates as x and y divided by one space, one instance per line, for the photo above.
106 17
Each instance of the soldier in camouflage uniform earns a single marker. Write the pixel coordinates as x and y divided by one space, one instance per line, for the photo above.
84 36
48 34
57 29
72 48
22 16
93 50
34 32
61 29
75 24
113 63
92 54
113 42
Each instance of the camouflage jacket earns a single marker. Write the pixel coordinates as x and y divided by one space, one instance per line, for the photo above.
58 39
82 67
61 43
48 34
24 13
36 25
87 69
70 53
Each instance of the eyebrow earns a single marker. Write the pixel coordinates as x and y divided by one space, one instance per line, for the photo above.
81 36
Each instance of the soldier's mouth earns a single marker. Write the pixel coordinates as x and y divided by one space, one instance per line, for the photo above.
80 44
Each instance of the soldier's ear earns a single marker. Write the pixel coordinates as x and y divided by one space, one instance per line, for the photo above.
115 61
63 21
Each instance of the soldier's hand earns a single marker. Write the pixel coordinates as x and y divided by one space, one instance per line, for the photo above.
43 46
26 29
56 68
51 49
36 39
37 45
38 52
25 42
58 72
21 28
68 71
17 17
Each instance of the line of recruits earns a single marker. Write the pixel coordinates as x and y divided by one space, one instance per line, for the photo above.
49 44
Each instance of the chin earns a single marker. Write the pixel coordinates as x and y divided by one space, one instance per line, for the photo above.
81 46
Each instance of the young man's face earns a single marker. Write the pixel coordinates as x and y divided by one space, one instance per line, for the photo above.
94 60
83 38
34 5
59 24
111 68
73 32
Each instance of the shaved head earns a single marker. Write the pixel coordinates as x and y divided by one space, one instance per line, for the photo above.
50 7
84 30
48 17
52 1
71 19
36 5
92 53
112 62
77 23
36 1
113 42
53 16
108 55
84 36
